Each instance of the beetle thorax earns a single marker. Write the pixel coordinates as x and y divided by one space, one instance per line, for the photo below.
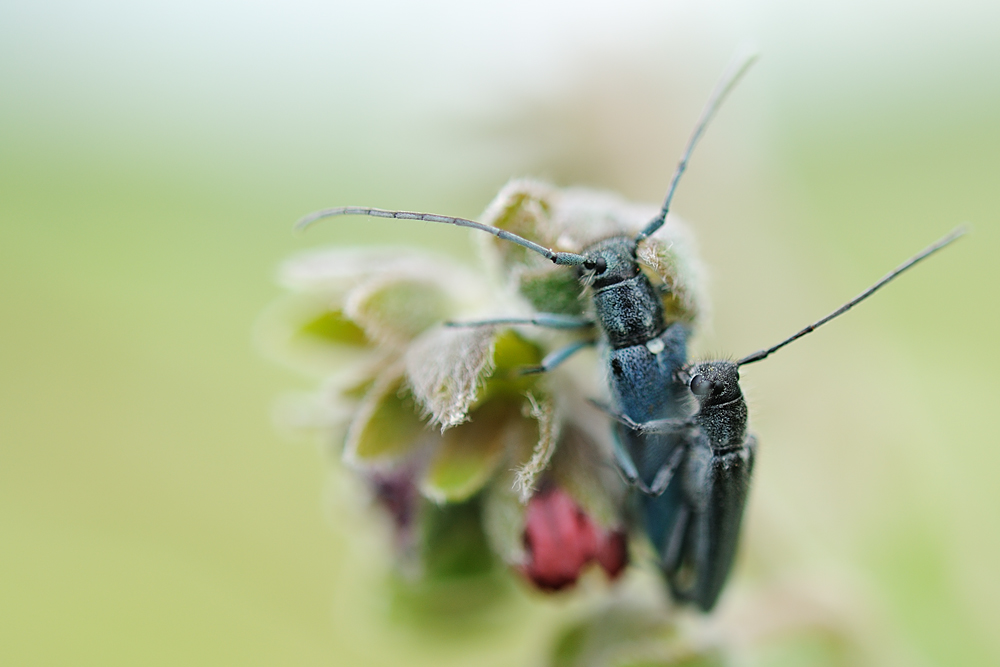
628 308
722 409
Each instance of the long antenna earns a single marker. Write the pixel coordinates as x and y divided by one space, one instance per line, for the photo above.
563 258
926 252
737 67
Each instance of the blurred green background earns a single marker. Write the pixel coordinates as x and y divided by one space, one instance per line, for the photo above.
154 155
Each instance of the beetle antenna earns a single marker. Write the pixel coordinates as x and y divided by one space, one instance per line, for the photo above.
737 67
923 254
563 258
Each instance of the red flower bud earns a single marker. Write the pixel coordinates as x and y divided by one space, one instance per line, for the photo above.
561 540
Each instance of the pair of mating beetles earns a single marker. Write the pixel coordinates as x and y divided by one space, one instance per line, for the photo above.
680 429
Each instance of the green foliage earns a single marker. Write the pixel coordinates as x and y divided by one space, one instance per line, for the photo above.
331 326
511 354
470 453
553 291
397 309
630 634
452 543
388 430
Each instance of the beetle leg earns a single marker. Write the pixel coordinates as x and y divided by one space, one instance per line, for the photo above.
617 416
666 473
556 357
650 427
627 467
547 320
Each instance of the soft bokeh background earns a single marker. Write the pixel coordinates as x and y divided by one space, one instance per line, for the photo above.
153 157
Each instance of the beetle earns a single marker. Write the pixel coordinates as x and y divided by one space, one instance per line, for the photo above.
694 525
680 430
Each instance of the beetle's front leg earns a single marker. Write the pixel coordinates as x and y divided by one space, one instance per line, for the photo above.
546 320
556 357
658 426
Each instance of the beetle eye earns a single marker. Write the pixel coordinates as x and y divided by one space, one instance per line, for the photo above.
700 385
596 265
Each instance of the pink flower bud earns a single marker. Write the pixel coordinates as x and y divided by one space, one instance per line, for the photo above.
561 540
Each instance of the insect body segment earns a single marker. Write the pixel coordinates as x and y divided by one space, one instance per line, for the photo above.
645 387
695 524
628 308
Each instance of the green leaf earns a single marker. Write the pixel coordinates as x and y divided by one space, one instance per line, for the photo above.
630 634
396 309
522 207
552 290
444 608
470 453
453 543
504 518
358 389
311 334
387 425
512 354
333 327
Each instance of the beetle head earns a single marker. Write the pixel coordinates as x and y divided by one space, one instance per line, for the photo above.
609 261
715 382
